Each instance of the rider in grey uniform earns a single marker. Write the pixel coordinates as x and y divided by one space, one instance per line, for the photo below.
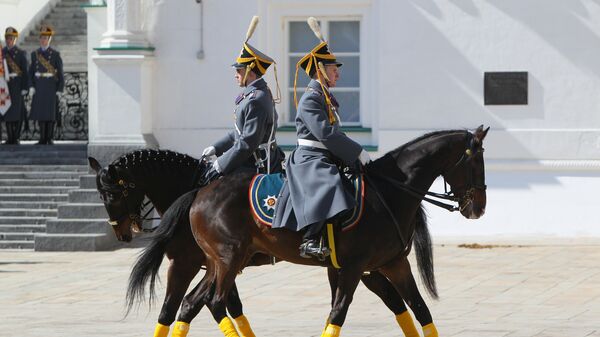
251 145
18 83
315 185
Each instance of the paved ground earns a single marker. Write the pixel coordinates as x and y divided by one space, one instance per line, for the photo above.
518 291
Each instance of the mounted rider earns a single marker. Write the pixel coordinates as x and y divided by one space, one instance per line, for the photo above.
316 190
252 144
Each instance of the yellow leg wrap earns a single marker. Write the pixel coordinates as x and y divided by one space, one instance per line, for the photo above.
326 324
228 328
161 330
429 330
332 331
407 325
244 326
181 329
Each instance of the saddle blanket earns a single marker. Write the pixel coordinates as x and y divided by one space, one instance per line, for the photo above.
264 191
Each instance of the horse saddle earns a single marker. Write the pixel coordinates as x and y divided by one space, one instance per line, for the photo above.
265 190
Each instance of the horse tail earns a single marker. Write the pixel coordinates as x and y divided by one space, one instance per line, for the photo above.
148 263
424 251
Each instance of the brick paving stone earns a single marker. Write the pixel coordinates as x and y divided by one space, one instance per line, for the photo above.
547 288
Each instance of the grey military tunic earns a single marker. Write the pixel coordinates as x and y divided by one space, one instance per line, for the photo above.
316 190
44 103
18 82
255 119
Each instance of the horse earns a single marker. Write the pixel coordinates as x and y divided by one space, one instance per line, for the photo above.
162 176
225 229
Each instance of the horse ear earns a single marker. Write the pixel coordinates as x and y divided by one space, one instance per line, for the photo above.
94 164
480 133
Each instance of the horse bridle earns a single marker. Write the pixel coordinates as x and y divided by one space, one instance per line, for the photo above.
135 216
469 187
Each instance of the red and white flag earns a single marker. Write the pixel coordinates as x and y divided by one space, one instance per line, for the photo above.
4 94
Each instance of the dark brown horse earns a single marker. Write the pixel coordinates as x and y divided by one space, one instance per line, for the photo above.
162 176
225 230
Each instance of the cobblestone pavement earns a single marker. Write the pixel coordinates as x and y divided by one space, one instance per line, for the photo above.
523 289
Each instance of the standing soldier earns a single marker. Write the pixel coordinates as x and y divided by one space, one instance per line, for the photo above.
47 83
316 190
18 83
252 144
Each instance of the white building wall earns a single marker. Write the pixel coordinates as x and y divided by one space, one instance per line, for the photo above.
422 70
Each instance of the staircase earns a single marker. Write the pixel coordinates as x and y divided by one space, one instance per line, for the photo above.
52 208
69 22
57 154
29 196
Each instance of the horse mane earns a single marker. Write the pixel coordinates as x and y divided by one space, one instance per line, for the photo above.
419 139
148 161
167 158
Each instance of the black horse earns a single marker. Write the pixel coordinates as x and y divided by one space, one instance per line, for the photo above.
226 231
162 176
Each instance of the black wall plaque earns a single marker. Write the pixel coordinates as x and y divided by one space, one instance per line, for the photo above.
505 88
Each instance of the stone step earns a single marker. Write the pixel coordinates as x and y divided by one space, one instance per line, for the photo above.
82 211
16 236
36 189
39 182
43 155
17 245
42 161
44 148
7 220
18 197
40 175
76 242
22 228
22 212
78 226
85 196
29 205
87 182
44 168
75 67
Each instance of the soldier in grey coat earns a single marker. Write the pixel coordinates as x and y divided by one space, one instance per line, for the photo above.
316 191
47 83
251 145
18 83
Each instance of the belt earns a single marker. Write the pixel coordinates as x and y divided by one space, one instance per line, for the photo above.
44 74
311 143
13 75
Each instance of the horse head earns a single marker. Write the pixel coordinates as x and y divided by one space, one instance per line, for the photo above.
467 175
122 198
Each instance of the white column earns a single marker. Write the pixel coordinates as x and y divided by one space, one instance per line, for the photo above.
124 25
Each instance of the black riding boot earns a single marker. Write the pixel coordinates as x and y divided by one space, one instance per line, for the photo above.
1 132
42 127
312 245
50 133
13 131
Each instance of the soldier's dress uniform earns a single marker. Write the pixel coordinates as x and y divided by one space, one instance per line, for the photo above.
316 190
18 84
47 78
251 145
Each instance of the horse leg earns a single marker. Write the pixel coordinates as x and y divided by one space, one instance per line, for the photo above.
234 307
399 274
179 276
347 281
380 285
192 303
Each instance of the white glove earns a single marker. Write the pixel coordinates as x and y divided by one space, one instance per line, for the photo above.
364 157
23 92
31 91
209 151
216 166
